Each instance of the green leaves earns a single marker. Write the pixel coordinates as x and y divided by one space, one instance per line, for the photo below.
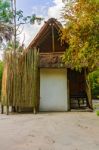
94 78
6 15
35 18
5 11
82 33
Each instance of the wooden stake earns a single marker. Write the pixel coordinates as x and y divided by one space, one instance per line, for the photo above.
2 109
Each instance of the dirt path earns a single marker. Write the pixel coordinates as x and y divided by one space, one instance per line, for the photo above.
50 131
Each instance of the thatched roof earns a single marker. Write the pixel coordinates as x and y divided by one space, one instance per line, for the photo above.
43 41
44 30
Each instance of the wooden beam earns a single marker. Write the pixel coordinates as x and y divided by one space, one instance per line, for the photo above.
53 38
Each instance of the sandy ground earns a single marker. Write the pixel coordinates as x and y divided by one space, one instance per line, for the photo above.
50 131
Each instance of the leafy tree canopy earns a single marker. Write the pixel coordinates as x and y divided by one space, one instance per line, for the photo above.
11 20
5 20
5 11
81 31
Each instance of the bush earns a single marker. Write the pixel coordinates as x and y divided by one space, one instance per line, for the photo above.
97 112
94 78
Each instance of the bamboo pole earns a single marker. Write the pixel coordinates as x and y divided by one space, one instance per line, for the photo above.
22 81
34 78
37 81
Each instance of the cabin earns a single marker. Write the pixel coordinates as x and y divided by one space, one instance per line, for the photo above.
60 87
38 80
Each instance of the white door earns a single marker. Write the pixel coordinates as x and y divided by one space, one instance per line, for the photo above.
53 90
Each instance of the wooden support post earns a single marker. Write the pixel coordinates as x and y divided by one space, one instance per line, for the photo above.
35 80
2 109
38 89
13 109
18 109
34 110
7 110
68 91
53 39
88 90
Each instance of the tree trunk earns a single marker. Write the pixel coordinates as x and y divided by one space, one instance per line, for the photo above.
88 90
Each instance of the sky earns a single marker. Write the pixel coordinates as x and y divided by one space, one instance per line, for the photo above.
42 8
